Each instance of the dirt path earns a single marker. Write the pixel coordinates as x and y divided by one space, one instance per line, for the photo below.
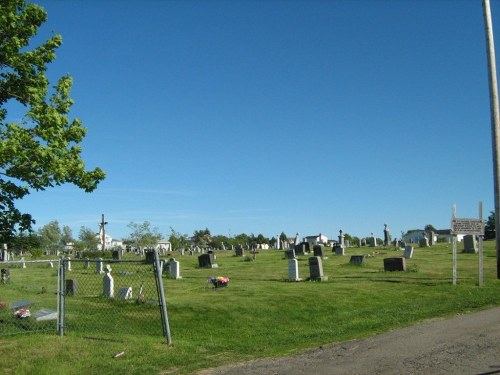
465 344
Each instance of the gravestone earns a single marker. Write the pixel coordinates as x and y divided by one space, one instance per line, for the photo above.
357 260
173 269
182 252
339 250
341 238
373 241
99 267
23 262
470 244
125 293
116 255
424 241
431 238
290 254
319 251
293 270
68 264
387 236
51 265
316 269
71 287
395 264
239 251
5 272
207 261
108 286
302 248
87 263
363 242
150 257
45 314
5 253
408 254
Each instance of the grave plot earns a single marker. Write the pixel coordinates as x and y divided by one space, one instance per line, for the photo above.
28 297
112 300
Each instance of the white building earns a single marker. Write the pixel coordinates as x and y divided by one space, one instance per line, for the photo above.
316 240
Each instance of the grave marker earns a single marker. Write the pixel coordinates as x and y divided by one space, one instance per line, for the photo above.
293 270
408 254
394 264
316 269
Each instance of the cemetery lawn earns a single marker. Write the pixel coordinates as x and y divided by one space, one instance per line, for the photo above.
261 314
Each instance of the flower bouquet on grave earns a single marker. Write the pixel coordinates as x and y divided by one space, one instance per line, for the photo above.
219 282
22 313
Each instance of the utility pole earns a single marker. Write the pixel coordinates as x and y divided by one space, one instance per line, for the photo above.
102 232
495 121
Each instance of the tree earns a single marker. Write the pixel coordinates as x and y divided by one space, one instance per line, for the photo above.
489 228
51 236
201 237
178 241
67 235
88 239
143 236
42 149
429 228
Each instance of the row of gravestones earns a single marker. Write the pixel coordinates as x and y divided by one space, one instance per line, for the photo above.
316 266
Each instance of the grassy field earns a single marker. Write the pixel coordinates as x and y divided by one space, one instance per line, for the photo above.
261 314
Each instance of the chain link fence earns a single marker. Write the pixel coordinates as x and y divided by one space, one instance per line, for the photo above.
110 299
95 298
28 296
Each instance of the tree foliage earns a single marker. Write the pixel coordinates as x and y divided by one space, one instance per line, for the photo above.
88 239
41 149
143 235
51 236
489 228
178 241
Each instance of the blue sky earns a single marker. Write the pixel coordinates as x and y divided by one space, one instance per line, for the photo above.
270 116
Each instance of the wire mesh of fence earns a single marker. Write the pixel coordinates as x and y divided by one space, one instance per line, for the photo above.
28 296
110 299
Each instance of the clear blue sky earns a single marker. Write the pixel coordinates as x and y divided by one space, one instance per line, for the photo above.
270 116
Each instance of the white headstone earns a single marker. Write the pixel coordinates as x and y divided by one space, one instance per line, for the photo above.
125 293
99 267
293 270
174 269
23 263
51 265
68 264
108 286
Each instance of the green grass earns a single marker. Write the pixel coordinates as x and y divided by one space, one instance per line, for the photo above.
260 314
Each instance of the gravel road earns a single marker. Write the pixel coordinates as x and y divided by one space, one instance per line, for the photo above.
465 344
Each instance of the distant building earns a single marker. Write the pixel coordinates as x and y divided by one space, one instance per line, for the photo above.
316 240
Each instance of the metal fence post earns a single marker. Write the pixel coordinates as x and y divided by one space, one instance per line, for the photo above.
161 295
60 297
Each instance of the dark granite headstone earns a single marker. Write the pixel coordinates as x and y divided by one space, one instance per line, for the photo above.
206 261
71 287
470 244
395 264
150 256
290 254
117 255
318 251
239 251
302 248
316 269
357 260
